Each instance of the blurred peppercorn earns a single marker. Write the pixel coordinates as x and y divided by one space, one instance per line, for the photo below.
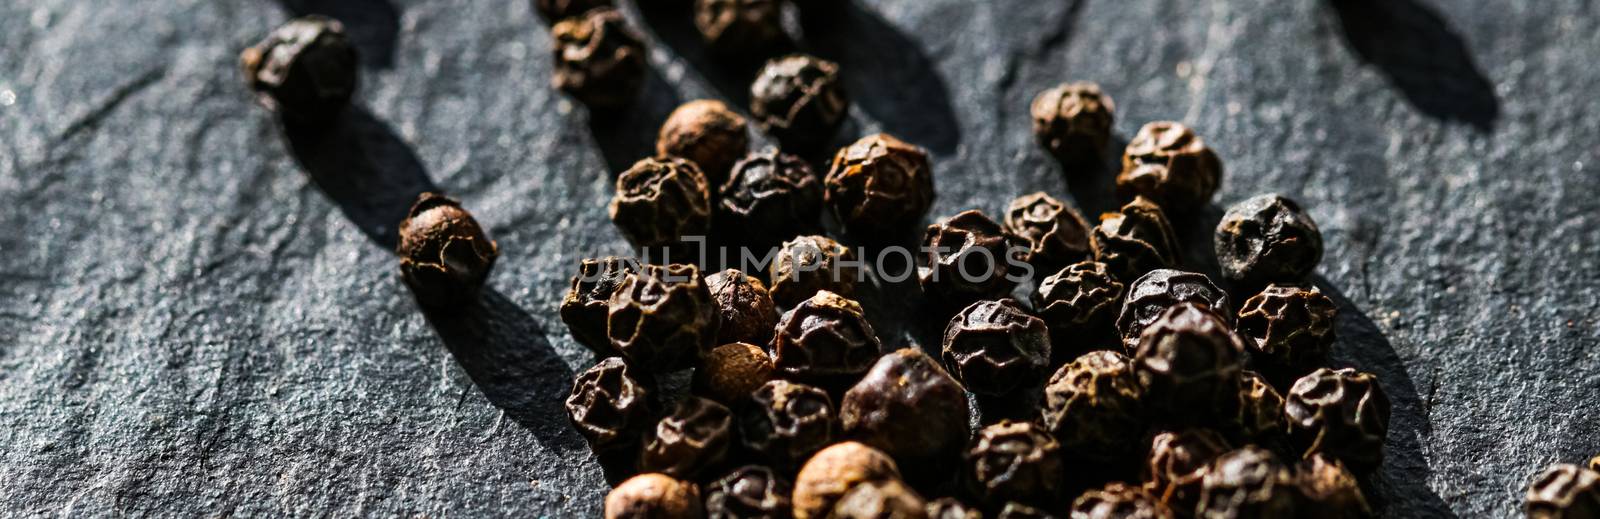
951 508
995 348
1159 290
970 257
879 499
769 197
1135 240
653 496
598 59
659 201
662 318
879 186
750 492
1171 165
1343 413
557 10
1073 122
1249 482
909 407
799 100
1328 490
1189 363
1014 510
1094 405
1267 239
707 133
807 265
609 407
826 341
785 422
1056 234
1564 491
1016 461
584 309
831 473
692 438
1119 501
1594 464
740 29
1079 304
1289 330
731 371
1177 465
444 255
744 306
305 70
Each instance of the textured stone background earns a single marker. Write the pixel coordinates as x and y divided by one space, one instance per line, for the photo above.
199 315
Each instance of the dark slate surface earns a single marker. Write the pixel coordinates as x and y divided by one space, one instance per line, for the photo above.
199 315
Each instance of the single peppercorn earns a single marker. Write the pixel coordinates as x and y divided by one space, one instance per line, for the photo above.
799 100
1119 501
692 438
1343 413
662 318
598 59
826 341
807 265
1289 330
995 348
745 308
970 257
659 201
1564 491
769 196
749 492
909 407
1267 239
1249 482
1015 461
731 371
1073 122
444 255
1056 233
1594 464
609 407
584 308
557 10
1135 240
1189 362
832 472
1258 416
879 186
1093 405
653 496
785 422
740 29
880 499
1161 289
304 70
1079 304
951 508
1170 164
1177 465
1328 490
707 133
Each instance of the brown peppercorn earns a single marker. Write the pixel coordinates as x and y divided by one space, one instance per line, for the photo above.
826 341
750 492
879 186
1015 510
1594 464
1155 292
653 496
744 306
832 472
1119 501
740 29
1328 490
1093 405
951 508
1343 413
584 309
692 438
305 70
609 407
995 348
1267 239
598 59
1178 463
1564 491
1073 121
970 257
659 201
1289 330
731 371
444 255
908 406
1056 233
807 265
784 423
799 100
557 10
1079 304
707 133
1249 482
769 197
1015 461
662 318
1189 362
1168 163
881 499
1135 240
1258 416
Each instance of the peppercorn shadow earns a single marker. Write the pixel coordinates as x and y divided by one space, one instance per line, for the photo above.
628 134
674 27
369 172
373 25
1422 56
1093 186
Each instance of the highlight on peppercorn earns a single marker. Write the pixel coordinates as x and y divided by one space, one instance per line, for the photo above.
892 264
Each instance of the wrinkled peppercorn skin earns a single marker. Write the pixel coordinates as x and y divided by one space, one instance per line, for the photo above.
1189 363
692 438
800 101
744 307
1267 239
1119 501
1258 417
970 257
1289 330
784 423
1134 240
653 496
1073 122
1015 461
609 407
1093 405
1329 491
1249 482
1342 413
598 59
831 473
731 371
995 348
950 508
556 10
1056 233
1177 465
749 492
659 201
769 197
739 29
1079 304
908 407
826 341
1155 292
1170 164
662 318
808 265
1564 491
584 308
707 133
880 499
306 70
879 186
444 255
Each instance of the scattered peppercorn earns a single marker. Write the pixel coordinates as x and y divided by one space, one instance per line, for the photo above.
740 28
1249 482
1135 240
444 255
785 422
692 438
995 348
1289 330
951 508
1564 491
305 70
557 10
653 496
1079 304
659 201
1155 292
749 492
884 498
662 317
707 133
1119 501
970 257
826 341
731 371
745 308
1093 405
879 186
1178 463
584 308
1168 163
1189 363
770 196
1343 413
609 407
807 265
1073 122
1015 461
832 472
1328 490
799 100
1056 233
1267 239
598 59
909 407
1258 416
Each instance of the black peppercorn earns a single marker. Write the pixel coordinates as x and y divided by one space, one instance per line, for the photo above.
995 348
807 265
951 508
784 423
731 371
1015 461
769 196
1135 240
1093 405
1249 482
739 28
880 499
745 308
750 492
659 201
609 407
707 133
1159 290
1119 501
584 309
833 472
1258 417
557 10
1189 362
879 185
1057 235
1343 413
444 255
598 59
1168 163
662 318
692 438
970 257
1178 463
826 341
799 100
1267 239
1073 121
1015 510
1564 491
305 70
1289 330
908 406
653 496
1079 304
1328 490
